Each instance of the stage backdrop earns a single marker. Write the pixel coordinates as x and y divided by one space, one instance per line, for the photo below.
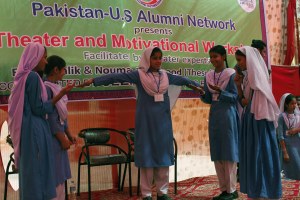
102 37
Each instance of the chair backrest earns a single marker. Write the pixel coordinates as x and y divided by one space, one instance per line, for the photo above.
95 136
102 137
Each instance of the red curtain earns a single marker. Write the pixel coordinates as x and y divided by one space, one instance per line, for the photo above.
290 52
285 79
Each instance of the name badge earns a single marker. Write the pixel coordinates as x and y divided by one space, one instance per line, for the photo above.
215 97
158 97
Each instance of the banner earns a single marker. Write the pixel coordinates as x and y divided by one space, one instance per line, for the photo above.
101 37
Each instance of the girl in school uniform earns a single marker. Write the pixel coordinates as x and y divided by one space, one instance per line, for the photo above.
154 151
220 91
259 165
289 136
62 138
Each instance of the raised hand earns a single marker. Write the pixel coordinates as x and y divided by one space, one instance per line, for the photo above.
86 83
68 87
63 92
238 79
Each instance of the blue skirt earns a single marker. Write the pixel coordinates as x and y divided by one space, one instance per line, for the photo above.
259 168
292 168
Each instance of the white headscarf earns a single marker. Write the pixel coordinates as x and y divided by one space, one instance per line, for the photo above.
30 58
148 80
282 101
149 83
263 104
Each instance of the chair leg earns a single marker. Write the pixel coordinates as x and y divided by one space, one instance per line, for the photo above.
66 189
120 187
175 165
6 179
175 177
89 182
124 176
5 187
138 182
78 175
78 180
130 183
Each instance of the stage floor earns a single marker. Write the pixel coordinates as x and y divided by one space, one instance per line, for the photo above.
200 188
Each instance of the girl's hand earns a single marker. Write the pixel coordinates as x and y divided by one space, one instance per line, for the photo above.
63 92
68 87
286 157
199 89
72 139
293 131
65 144
244 102
238 79
215 87
86 83
289 132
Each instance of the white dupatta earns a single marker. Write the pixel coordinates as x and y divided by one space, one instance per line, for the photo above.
263 104
149 84
61 105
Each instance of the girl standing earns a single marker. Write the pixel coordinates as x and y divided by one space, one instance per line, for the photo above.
259 165
221 92
62 138
289 136
154 151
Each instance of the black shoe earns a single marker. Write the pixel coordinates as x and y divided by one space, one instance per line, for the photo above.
163 197
147 198
220 195
227 196
235 194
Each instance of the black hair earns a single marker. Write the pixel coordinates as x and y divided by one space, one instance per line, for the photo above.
54 61
219 49
258 44
288 99
155 50
239 53
298 100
